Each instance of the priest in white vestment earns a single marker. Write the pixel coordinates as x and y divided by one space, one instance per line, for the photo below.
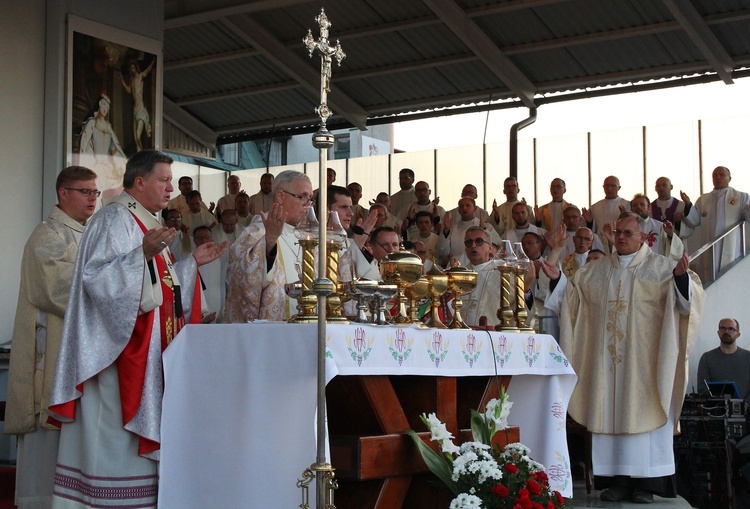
484 300
501 218
606 211
267 255
262 200
127 302
714 213
46 275
660 236
521 225
628 324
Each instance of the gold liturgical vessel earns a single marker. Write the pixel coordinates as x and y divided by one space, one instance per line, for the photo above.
438 285
402 269
460 281
307 232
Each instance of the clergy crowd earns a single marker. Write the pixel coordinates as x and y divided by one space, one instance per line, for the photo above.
102 294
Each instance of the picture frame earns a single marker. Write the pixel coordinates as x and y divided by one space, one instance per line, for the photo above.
113 99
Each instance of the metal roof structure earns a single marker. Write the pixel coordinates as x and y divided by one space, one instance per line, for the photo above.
238 70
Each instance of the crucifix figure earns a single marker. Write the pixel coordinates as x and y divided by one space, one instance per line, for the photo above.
326 53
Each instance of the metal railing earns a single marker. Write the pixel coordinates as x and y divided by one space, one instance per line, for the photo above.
709 273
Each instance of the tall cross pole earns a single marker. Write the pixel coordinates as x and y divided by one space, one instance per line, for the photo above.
322 140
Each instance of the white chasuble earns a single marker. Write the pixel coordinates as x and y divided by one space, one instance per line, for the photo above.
484 300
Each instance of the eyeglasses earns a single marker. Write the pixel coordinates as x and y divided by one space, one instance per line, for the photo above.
174 218
479 241
85 192
389 248
730 330
626 233
304 200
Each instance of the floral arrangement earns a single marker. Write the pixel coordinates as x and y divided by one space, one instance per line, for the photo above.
480 476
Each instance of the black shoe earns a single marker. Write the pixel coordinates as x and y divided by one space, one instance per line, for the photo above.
642 497
616 494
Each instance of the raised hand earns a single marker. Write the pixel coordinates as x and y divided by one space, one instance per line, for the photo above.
609 232
587 215
273 220
668 228
685 198
550 270
208 252
156 240
682 265
447 221
557 238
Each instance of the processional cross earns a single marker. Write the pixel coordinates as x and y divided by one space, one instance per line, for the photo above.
327 52
321 470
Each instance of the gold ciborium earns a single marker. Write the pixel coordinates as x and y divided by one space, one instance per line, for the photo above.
460 281
438 286
415 292
403 269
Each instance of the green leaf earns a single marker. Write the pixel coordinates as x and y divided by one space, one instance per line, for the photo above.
479 428
437 464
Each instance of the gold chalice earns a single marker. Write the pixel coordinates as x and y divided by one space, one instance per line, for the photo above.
403 269
438 285
414 293
460 281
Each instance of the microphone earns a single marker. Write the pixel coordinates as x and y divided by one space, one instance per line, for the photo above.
358 230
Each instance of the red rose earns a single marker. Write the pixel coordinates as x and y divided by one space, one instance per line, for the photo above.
537 505
551 505
541 476
523 493
524 503
559 497
534 487
500 490
511 468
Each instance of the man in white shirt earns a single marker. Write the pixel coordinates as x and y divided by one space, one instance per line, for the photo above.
501 218
227 201
402 200
521 225
607 210
715 213
262 200
244 214
660 235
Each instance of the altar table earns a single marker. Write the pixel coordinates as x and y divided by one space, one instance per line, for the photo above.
238 413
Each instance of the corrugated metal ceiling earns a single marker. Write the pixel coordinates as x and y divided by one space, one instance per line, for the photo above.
241 70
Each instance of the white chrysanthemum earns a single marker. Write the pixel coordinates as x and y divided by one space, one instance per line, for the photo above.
535 466
518 447
466 501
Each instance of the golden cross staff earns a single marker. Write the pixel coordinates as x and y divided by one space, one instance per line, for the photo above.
326 53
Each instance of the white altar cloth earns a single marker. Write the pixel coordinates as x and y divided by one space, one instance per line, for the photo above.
239 402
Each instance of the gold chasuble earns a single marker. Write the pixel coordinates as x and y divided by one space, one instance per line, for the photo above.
625 334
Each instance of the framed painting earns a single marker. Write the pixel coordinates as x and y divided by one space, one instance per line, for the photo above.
113 99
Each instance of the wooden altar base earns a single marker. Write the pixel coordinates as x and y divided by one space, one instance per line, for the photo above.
377 465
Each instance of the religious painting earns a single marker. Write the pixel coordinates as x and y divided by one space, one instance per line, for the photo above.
113 99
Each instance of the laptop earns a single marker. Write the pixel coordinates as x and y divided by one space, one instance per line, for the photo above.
724 388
